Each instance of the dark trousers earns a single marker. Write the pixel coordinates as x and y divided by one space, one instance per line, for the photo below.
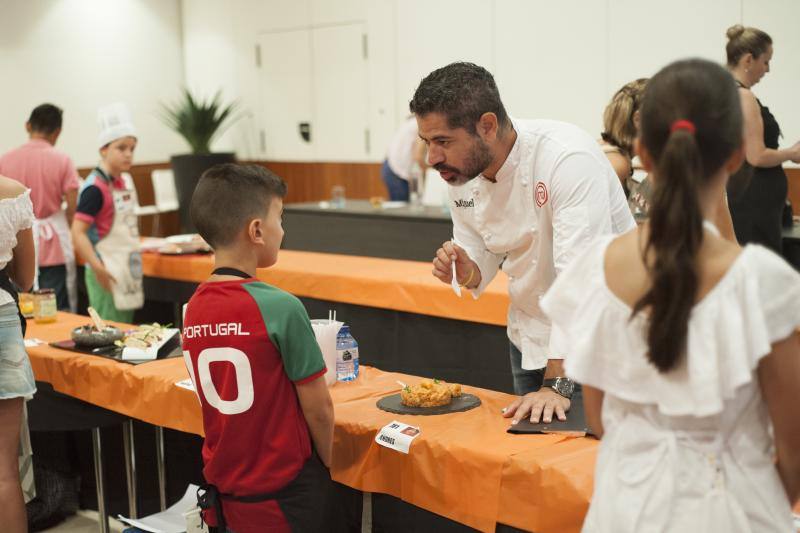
304 501
525 381
55 277
397 186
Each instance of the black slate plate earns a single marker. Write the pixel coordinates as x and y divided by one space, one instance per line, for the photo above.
465 402
171 349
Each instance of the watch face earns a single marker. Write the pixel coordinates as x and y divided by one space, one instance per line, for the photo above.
564 387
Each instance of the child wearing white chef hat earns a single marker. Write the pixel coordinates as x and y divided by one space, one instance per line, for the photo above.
105 230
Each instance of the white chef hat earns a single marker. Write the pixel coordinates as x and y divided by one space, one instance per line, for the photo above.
115 122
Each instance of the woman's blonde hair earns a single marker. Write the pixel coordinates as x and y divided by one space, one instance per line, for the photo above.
743 41
619 128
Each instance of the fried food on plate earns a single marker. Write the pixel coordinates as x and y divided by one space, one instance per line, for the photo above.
429 393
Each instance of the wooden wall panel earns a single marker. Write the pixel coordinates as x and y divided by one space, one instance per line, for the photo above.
168 223
307 182
311 182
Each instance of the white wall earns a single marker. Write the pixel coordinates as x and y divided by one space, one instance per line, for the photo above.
83 54
559 60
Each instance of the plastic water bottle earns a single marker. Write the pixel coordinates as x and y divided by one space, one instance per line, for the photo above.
346 355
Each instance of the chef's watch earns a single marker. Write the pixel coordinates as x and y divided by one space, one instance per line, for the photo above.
563 386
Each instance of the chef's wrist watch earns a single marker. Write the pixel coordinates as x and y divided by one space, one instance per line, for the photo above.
563 386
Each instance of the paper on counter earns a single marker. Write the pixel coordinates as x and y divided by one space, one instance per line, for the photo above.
186 384
33 343
170 520
397 436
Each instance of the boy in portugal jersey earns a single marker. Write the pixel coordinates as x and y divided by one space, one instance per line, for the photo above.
256 366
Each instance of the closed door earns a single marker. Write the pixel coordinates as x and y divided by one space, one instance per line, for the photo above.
285 90
314 94
340 93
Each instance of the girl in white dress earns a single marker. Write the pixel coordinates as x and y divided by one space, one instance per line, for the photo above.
686 344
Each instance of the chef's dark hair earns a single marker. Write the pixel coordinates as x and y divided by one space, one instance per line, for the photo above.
462 92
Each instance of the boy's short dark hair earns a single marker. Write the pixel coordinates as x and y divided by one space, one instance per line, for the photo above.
46 118
462 92
228 196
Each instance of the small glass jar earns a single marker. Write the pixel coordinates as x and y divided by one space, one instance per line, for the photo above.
44 306
26 304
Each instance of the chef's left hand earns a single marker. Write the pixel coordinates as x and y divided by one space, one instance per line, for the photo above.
540 404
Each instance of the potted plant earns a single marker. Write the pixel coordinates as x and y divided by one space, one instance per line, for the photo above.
199 122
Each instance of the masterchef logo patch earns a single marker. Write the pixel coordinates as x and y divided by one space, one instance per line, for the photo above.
541 194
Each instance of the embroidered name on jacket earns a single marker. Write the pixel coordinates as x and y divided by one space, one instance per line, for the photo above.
465 203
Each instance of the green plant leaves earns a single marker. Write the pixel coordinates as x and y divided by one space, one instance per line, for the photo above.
199 122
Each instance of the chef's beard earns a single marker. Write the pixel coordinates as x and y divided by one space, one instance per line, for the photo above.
479 159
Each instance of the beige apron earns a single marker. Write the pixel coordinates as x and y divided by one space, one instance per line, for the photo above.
47 229
119 251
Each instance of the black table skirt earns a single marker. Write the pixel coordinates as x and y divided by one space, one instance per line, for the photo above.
358 229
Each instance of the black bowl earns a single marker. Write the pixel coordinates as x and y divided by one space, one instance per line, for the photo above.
90 337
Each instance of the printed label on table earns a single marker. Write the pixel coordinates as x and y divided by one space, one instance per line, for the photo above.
397 436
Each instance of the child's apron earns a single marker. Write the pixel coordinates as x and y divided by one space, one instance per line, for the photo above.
119 251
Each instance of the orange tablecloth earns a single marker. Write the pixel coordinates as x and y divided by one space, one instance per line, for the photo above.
384 283
463 466
146 392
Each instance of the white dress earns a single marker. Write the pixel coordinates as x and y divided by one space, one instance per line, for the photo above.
16 214
690 449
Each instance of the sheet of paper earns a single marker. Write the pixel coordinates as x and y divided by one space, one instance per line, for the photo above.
33 343
169 521
186 384
397 436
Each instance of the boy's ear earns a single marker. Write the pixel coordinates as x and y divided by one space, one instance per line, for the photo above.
255 230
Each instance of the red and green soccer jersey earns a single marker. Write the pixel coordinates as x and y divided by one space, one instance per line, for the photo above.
245 345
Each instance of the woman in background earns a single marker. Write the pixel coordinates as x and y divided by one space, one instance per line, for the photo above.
757 200
620 128
17 265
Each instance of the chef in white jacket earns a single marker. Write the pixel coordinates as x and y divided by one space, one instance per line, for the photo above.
526 197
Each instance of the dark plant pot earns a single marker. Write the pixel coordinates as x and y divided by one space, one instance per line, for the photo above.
187 169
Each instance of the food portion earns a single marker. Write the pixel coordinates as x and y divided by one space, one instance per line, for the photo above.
90 336
145 336
429 393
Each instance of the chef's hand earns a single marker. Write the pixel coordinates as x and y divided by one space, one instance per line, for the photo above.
466 269
104 277
540 404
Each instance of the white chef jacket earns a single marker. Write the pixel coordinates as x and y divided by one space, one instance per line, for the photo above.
555 193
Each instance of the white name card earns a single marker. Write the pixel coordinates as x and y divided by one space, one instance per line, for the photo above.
397 436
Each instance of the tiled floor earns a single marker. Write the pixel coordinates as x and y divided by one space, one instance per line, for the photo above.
85 522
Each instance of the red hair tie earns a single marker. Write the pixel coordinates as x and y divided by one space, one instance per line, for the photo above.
683 124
